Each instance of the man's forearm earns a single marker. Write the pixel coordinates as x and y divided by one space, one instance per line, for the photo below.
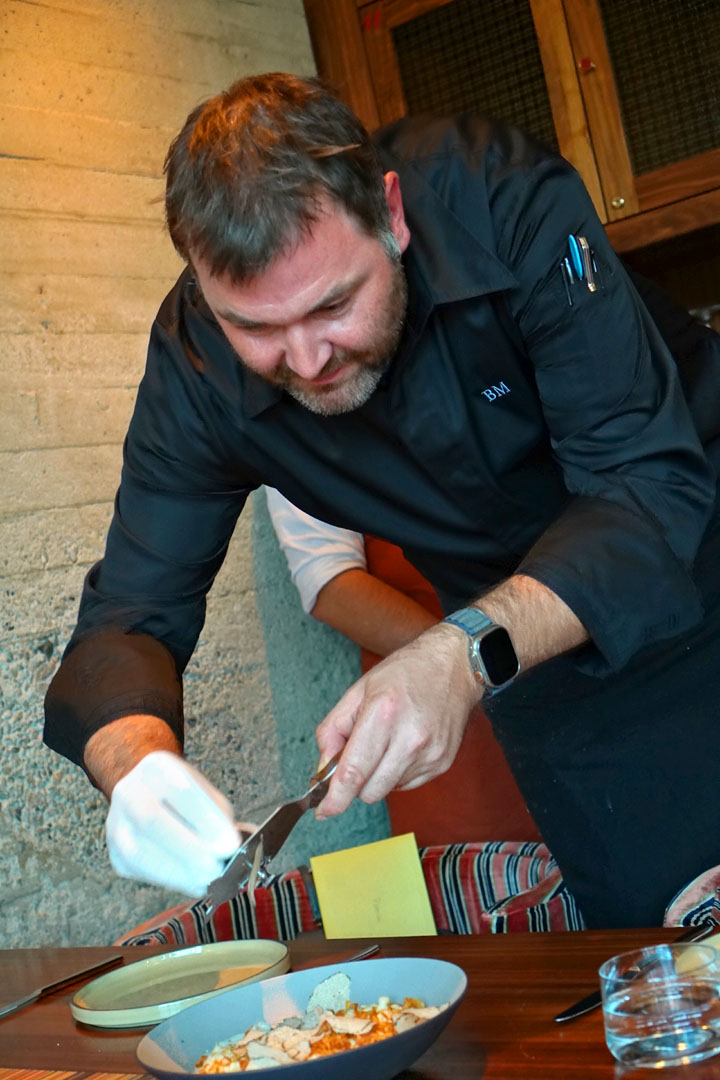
116 748
540 624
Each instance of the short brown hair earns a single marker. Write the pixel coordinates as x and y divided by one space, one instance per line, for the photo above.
250 170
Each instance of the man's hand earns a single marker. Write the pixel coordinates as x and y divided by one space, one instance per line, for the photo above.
168 825
402 723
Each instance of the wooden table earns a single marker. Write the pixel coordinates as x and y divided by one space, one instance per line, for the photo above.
503 1029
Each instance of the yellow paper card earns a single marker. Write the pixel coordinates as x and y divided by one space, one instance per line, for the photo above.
375 890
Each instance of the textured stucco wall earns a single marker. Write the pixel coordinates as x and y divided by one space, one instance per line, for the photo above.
56 886
91 93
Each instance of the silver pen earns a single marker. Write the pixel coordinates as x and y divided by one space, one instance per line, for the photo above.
587 260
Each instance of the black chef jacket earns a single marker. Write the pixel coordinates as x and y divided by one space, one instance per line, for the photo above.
524 425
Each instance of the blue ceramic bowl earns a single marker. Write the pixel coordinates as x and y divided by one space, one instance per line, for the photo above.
171 1049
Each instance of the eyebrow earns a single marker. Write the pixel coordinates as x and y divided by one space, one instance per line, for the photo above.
337 293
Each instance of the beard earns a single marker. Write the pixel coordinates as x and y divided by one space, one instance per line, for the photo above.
369 364
355 391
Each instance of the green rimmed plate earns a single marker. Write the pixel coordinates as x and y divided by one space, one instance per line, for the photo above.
154 989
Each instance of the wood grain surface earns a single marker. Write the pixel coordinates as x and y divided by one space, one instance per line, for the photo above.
602 107
563 87
503 1029
665 222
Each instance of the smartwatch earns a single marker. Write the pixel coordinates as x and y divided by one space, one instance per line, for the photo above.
493 659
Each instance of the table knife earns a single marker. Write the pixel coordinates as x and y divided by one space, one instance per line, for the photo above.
592 1001
66 980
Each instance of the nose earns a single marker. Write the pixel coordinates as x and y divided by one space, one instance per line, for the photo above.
306 351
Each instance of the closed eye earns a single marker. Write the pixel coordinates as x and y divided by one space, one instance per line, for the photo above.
336 308
261 330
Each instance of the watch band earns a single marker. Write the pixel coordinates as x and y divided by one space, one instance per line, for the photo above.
470 619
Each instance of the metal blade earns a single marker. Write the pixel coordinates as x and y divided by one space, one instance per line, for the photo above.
275 831
232 879
272 834
586 1004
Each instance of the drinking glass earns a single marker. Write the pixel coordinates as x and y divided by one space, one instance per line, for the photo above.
661 1005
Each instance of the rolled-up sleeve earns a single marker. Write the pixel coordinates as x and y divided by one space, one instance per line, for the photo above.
143 604
621 553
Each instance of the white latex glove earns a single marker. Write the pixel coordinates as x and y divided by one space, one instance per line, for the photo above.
168 825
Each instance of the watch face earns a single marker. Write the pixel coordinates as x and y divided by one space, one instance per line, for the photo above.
498 656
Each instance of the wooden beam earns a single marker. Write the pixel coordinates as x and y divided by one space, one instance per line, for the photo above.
680 180
665 221
602 106
566 101
340 55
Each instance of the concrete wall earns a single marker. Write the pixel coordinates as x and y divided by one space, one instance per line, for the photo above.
91 93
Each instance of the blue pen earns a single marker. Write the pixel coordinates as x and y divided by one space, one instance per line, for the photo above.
576 256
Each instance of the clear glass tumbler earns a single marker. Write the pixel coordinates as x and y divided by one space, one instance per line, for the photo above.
661 1005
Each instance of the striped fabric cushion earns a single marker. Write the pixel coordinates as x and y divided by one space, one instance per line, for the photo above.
282 910
697 903
489 888
497 888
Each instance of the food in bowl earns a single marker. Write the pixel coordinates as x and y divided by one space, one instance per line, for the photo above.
331 1024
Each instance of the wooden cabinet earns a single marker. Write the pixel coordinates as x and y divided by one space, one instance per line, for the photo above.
627 90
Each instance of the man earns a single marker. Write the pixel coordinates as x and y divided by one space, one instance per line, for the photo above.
400 340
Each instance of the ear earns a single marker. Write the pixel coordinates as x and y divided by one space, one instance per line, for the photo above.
397 213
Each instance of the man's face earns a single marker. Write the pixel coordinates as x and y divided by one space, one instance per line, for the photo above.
324 321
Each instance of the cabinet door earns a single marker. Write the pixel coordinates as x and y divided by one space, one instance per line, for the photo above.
509 58
650 80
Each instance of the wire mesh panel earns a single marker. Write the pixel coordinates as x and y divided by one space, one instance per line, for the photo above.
666 61
479 55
